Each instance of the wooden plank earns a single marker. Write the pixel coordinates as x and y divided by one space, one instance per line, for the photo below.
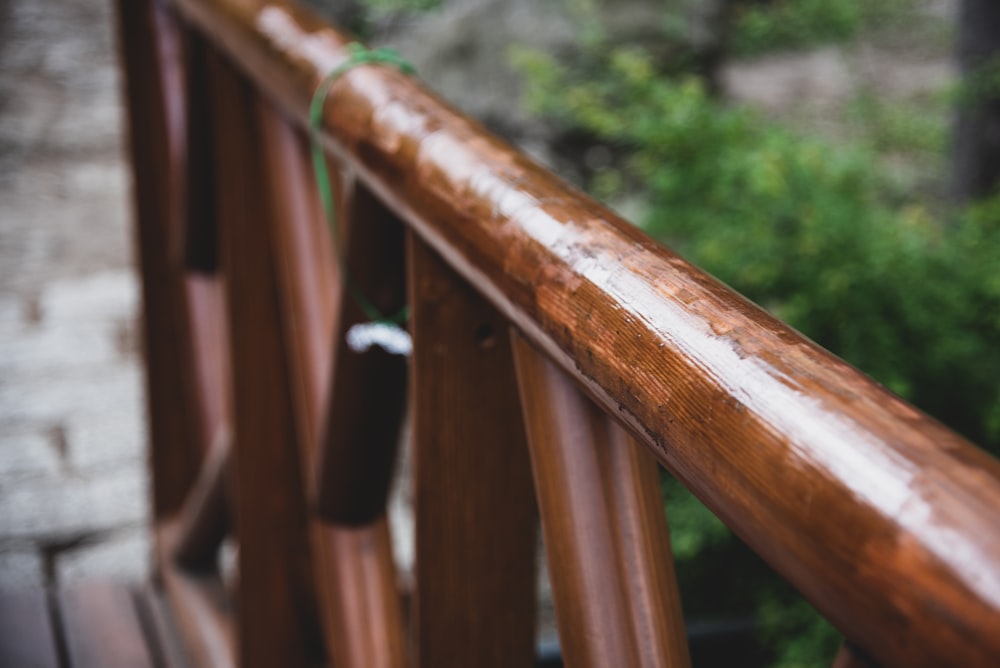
102 627
200 604
205 519
149 43
355 575
360 601
27 639
161 624
652 594
473 602
368 389
277 621
605 534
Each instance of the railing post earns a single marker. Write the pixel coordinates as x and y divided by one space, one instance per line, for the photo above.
355 575
475 513
276 608
606 540
150 47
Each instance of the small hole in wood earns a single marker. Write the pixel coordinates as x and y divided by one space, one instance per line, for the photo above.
485 336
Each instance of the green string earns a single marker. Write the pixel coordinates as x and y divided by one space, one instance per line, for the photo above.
359 55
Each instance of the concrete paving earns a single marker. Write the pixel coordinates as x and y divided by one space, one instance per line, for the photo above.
73 480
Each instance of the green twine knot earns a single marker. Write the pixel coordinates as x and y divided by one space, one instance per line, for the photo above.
359 55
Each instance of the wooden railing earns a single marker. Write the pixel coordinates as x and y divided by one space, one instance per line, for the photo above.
558 352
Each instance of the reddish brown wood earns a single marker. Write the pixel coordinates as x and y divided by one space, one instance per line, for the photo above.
162 626
605 535
354 571
847 657
881 517
200 605
276 605
474 599
150 55
364 626
205 519
26 634
101 627
632 486
367 390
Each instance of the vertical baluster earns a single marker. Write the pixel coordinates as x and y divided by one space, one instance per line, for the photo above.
354 569
475 514
605 535
150 55
366 395
275 606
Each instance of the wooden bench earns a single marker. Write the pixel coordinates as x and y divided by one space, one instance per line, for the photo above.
89 625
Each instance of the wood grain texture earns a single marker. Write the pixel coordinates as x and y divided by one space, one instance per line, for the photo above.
606 539
883 519
206 517
200 605
27 639
163 626
355 575
150 46
474 601
102 627
277 624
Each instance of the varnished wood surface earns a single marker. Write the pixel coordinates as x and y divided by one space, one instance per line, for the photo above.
474 602
102 627
355 575
206 517
27 639
91 624
368 389
606 539
276 606
885 520
150 45
199 603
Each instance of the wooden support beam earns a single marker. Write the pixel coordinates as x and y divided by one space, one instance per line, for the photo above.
150 46
606 540
474 599
277 624
200 604
206 517
355 574
367 390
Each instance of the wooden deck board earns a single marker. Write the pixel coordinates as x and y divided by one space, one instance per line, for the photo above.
87 624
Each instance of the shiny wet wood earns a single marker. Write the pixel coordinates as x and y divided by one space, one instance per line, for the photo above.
368 388
606 540
150 46
276 606
355 574
474 602
881 517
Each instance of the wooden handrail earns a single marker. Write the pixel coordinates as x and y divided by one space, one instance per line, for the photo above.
885 520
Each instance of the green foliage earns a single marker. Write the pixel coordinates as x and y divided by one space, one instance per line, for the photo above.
788 24
814 233
378 8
